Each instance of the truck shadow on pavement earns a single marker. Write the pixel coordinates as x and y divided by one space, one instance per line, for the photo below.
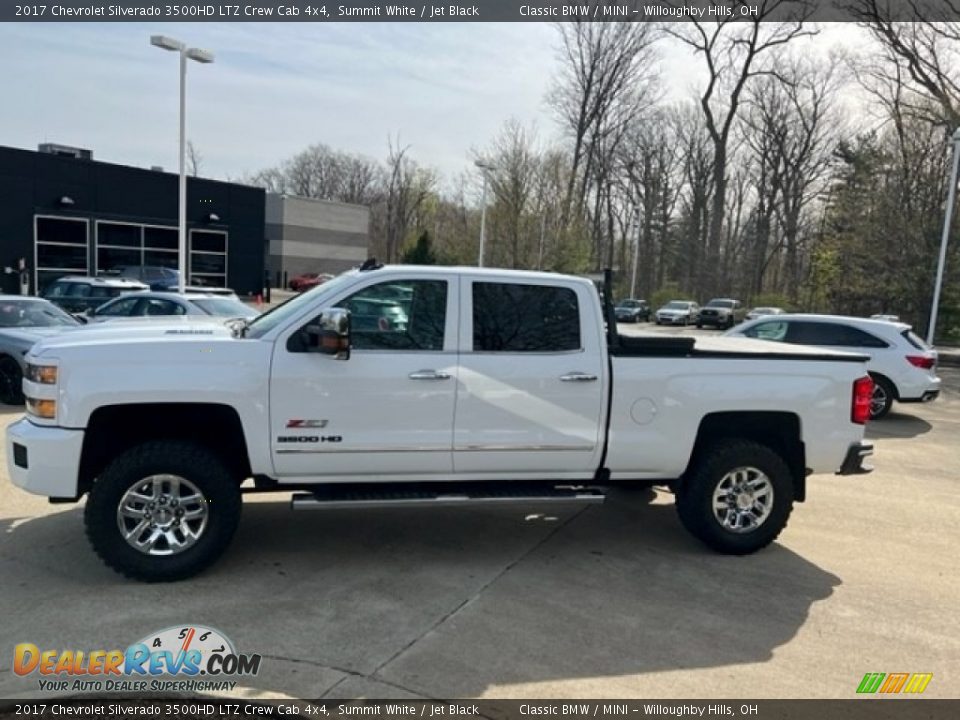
897 425
437 603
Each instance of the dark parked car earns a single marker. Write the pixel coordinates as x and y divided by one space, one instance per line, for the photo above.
721 313
77 294
158 278
632 311
24 321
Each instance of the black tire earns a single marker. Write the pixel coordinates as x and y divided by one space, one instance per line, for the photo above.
694 497
11 381
699 326
181 458
882 388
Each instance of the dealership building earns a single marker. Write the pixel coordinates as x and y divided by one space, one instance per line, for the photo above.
63 213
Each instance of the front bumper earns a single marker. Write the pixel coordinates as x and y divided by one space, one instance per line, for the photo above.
853 463
44 460
714 320
673 319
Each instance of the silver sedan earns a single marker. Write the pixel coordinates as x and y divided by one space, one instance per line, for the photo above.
23 322
164 305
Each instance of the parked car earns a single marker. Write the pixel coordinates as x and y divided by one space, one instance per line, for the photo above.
77 294
305 281
157 277
24 321
497 374
902 365
758 312
163 305
678 312
721 313
632 311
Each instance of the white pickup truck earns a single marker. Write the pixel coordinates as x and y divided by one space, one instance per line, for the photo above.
398 385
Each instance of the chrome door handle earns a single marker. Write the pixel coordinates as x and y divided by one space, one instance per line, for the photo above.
429 375
578 377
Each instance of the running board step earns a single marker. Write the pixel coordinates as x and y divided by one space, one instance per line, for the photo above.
330 498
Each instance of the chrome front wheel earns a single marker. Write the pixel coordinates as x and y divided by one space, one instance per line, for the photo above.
162 515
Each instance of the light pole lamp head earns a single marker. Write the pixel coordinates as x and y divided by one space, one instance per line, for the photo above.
166 43
201 56
485 166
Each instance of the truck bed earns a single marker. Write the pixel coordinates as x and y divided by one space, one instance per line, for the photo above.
723 348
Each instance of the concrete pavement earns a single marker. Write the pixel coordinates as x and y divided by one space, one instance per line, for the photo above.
609 601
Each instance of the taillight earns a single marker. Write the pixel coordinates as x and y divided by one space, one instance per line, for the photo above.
921 361
862 393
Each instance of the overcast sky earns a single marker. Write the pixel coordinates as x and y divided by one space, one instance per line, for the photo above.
276 88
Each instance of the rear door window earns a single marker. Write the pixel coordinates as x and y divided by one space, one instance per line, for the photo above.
831 335
509 317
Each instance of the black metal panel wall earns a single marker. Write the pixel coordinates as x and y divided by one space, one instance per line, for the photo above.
34 184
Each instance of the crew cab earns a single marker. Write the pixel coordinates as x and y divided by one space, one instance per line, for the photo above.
498 386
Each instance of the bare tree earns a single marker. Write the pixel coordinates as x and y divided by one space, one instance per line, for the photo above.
922 57
607 72
514 155
194 159
407 187
733 52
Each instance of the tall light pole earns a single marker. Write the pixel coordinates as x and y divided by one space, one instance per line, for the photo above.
201 56
636 257
484 168
947 220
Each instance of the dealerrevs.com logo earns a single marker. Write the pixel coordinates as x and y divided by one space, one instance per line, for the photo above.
183 658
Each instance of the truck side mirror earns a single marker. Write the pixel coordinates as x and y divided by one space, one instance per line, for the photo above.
329 333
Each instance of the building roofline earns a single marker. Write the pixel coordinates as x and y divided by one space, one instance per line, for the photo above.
173 175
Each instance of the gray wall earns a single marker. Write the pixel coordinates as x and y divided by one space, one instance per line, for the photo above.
305 235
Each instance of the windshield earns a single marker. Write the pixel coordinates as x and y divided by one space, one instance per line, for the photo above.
720 303
629 303
33 313
224 307
677 305
263 324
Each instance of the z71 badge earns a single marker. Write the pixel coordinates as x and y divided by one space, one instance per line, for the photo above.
306 423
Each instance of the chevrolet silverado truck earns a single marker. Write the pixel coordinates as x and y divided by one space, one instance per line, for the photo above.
395 385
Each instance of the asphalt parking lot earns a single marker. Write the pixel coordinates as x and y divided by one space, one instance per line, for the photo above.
607 601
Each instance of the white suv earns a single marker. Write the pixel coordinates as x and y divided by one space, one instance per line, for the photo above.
903 366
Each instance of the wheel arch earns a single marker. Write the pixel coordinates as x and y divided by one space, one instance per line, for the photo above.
875 375
112 429
780 431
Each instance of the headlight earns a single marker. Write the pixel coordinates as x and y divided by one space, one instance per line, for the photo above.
43 374
46 409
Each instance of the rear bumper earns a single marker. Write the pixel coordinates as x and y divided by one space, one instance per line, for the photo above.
928 396
853 463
